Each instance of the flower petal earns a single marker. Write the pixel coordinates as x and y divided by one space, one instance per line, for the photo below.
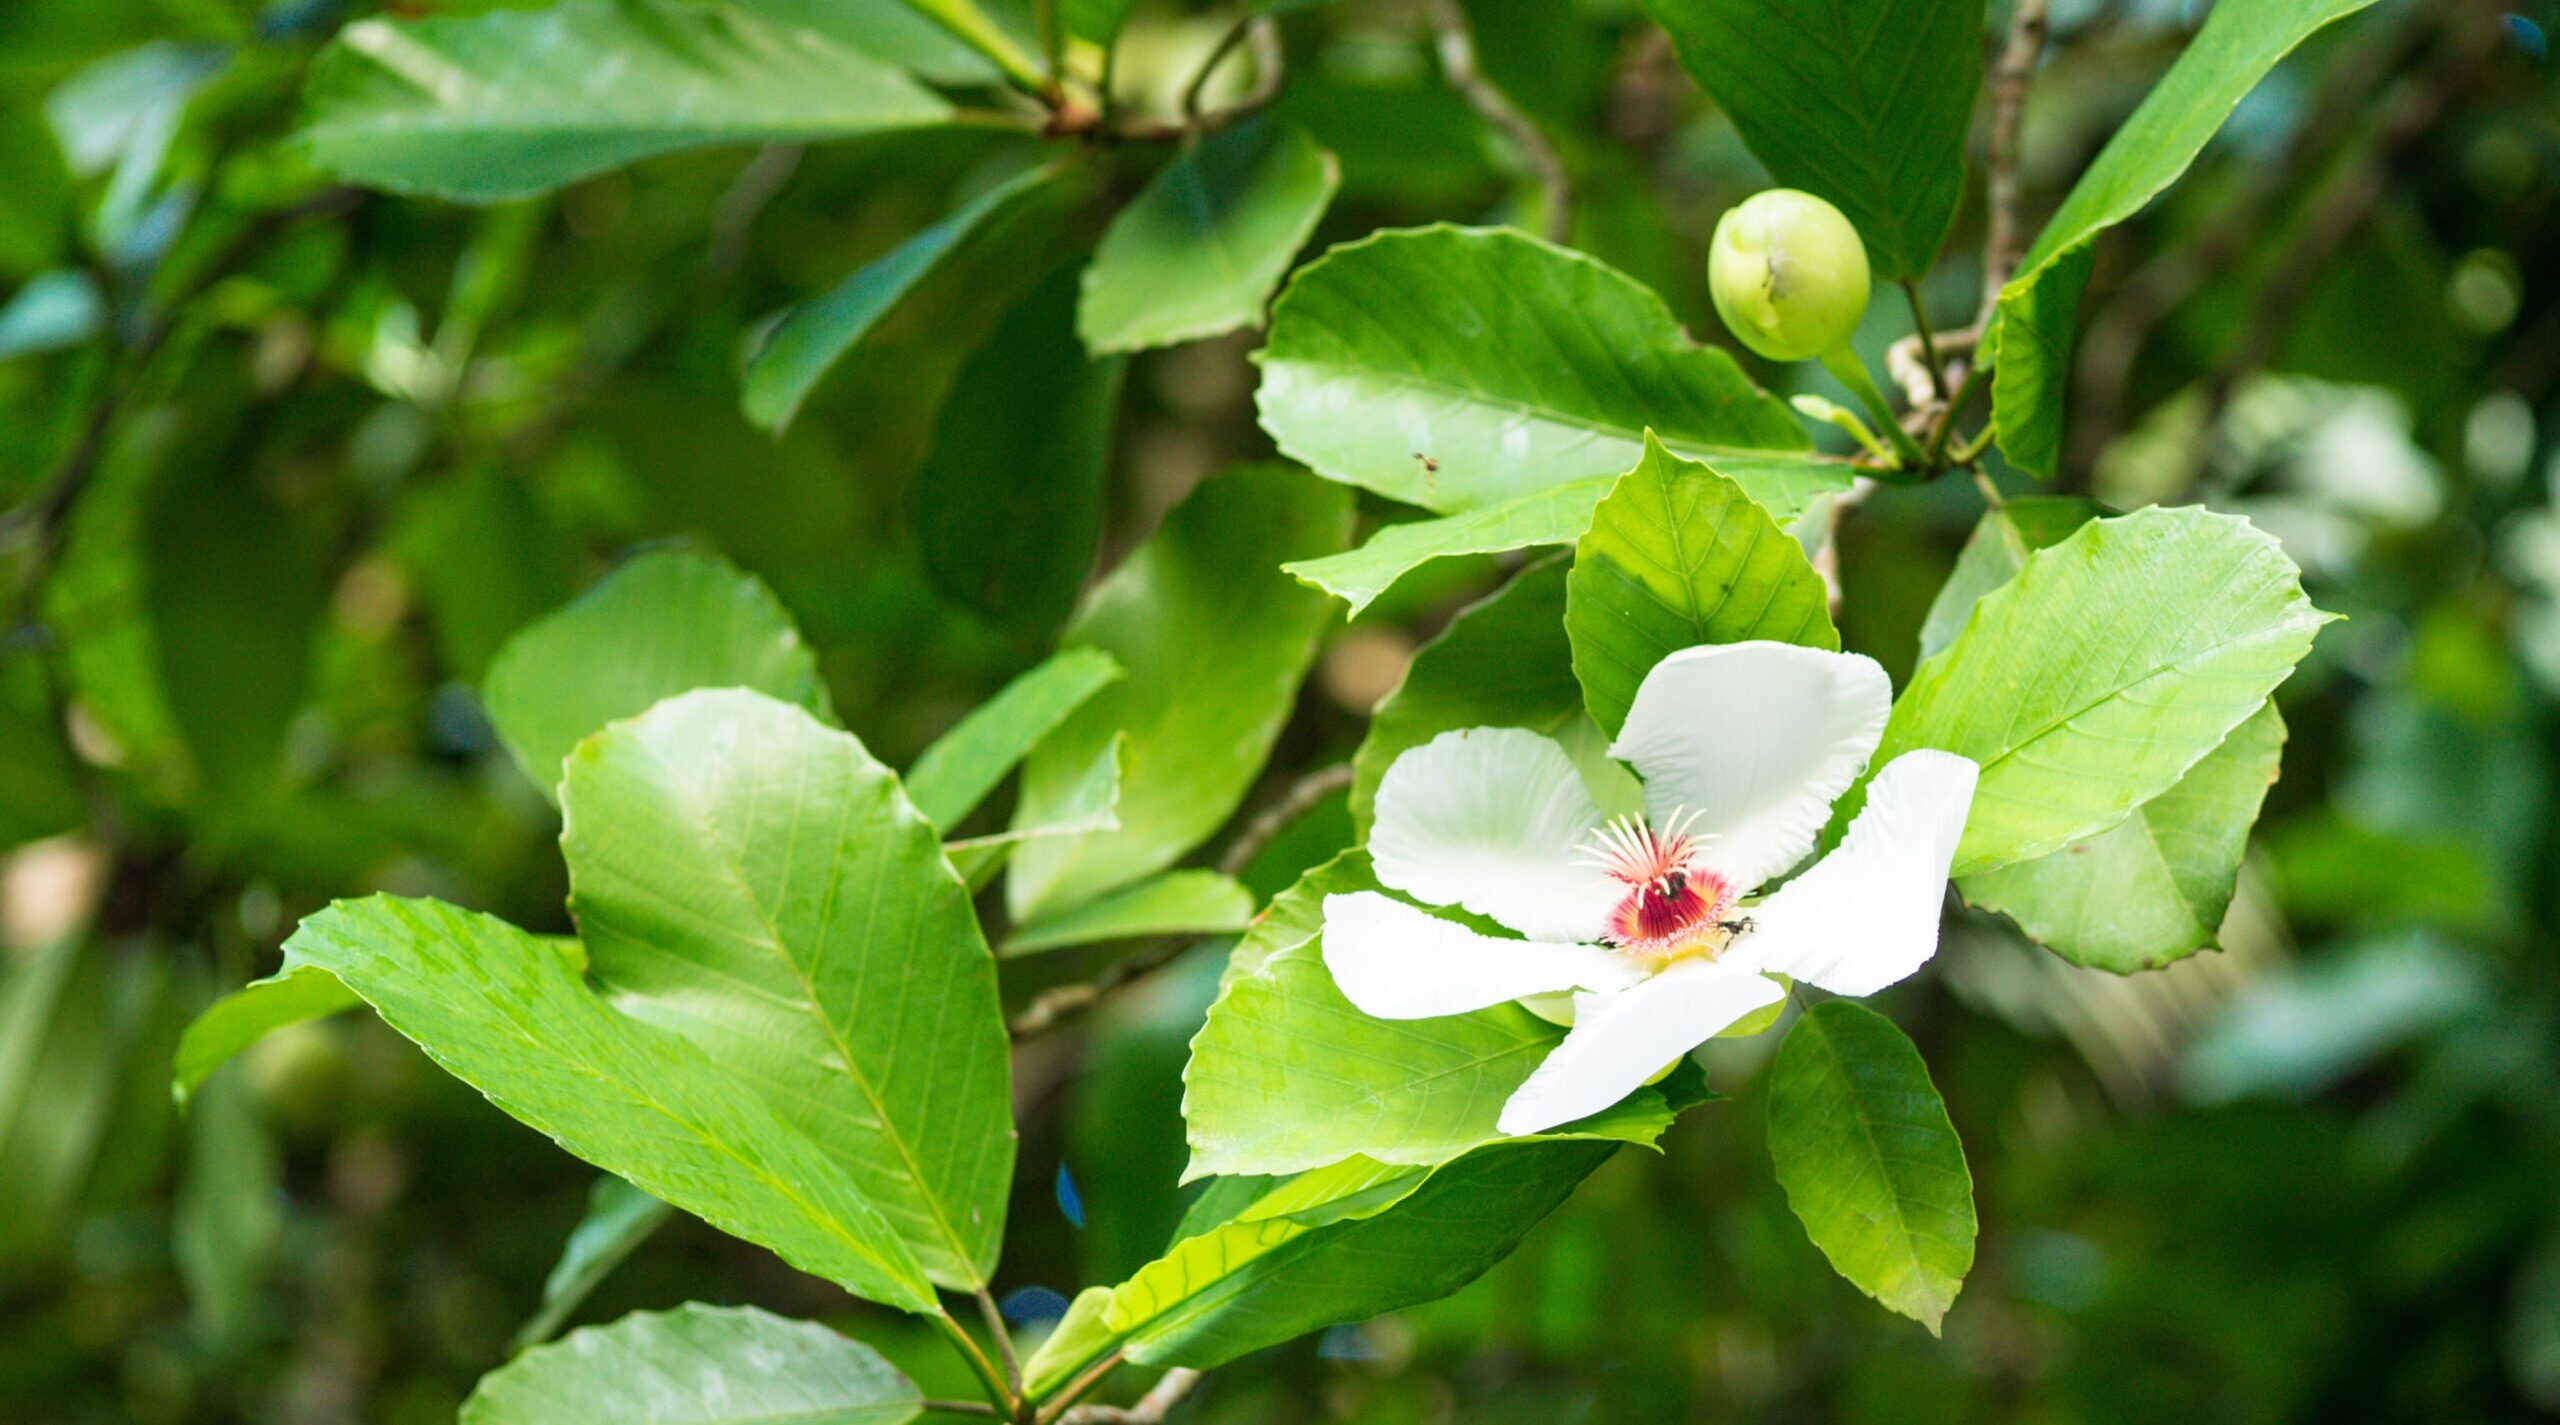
1755 740
1620 1040
1492 818
1867 914
1397 962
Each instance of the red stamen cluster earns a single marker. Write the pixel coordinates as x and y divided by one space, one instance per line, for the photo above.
1672 904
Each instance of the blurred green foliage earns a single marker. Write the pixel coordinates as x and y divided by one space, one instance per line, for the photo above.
333 447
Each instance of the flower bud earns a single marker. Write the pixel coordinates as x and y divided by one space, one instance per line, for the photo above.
1788 273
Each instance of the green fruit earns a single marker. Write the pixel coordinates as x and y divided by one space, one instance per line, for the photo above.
1789 274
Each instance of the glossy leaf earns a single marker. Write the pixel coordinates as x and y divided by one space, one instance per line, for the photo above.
665 623
1558 514
1677 556
752 880
1270 1274
2152 888
619 1218
1503 661
1864 104
513 102
939 289
1993 556
1199 251
1214 639
2032 331
2112 663
1016 470
505 1013
1175 903
1458 368
697 1365
1861 1143
251 1013
1288 1075
963 765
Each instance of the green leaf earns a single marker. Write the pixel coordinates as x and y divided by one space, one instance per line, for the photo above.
1993 556
973 26
487 561
1864 104
2030 335
1345 1243
251 1013
2112 663
228 1217
1095 20
619 1218
697 1365
1088 805
1456 368
2152 888
1214 640
752 880
510 103
1287 1075
963 765
665 623
1871 1165
1677 556
1175 903
1558 514
1011 494
1502 662
1200 249
506 1013
942 288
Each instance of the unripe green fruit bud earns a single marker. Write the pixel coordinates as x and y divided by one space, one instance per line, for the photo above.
1789 274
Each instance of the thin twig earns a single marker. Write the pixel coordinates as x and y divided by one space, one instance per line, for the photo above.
1270 67
1936 367
992 1381
1458 65
1826 560
733 217
1150 1409
963 1407
1003 1337
2004 238
1199 84
1052 1007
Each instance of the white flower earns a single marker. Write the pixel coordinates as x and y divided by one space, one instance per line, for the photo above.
1649 924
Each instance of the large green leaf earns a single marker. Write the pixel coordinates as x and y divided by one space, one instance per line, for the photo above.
1677 556
509 103
1215 640
1502 662
2241 40
752 880
1287 1075
665 623
1871 1165
1456 368
619 1218
1008 503
1993 556
1344 1243
1200 249
506 1013
963 765
941 289
697 1365
2111 664
1175 903
1864 104
1557 514
2153 887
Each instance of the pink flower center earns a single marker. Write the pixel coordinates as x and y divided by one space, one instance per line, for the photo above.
1673 905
